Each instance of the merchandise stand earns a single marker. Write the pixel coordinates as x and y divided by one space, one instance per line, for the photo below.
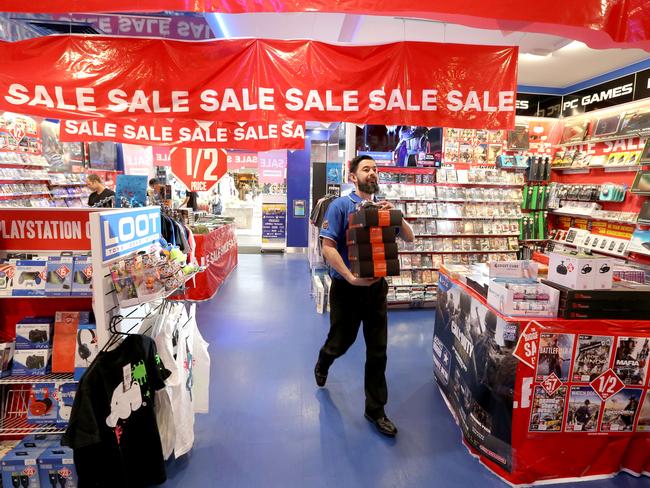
525 424
217 251
73 235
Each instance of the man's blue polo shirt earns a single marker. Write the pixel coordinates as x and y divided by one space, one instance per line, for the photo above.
335 225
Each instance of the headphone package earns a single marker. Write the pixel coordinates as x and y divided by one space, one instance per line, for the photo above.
31 362
86 349
581 271
59 276
43 407
65 339
65 396
34 333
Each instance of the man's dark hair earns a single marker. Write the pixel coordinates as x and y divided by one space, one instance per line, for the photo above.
153 181
354 163
95 178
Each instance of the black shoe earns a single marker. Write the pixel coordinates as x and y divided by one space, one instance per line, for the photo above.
321 377
384 425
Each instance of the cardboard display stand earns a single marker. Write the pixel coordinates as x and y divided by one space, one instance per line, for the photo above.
547 400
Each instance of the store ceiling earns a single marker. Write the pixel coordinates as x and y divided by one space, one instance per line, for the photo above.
547 61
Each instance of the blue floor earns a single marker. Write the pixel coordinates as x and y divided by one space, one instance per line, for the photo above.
270 426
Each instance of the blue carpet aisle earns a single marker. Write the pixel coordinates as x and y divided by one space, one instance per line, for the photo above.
270 426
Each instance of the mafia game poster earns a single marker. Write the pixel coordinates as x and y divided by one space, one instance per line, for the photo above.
475 368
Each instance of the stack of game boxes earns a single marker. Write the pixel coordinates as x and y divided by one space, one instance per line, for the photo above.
372 248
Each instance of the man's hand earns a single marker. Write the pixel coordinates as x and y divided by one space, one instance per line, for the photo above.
353 280
385 205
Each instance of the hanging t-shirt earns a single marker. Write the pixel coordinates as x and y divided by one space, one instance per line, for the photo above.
200 369
112 425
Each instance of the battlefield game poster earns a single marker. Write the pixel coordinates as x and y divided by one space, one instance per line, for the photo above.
555 352
475 368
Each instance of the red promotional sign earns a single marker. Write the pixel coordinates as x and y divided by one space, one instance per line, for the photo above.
607 384
412 83
44 229
551 383
241 160
187 133
198 169
528 344
217 251
600 23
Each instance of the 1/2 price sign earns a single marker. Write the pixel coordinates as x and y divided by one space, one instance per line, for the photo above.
607 384
198 169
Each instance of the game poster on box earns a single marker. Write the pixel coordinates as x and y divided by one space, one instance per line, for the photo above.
475 368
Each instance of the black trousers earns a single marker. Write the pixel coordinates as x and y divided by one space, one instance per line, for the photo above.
349 306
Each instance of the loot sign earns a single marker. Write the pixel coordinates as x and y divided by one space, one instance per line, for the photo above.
198 169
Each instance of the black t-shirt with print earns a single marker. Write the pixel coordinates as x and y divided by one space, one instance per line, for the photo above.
113 428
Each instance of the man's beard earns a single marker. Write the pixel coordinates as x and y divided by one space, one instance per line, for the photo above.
369 187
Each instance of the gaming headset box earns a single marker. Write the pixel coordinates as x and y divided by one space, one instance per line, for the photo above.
31 362
86 349
29 278
34 333
581 271
66 325
82 277
20 467
43 407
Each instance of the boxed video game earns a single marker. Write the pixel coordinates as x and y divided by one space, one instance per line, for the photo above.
371 235
372 252
375 217
375 269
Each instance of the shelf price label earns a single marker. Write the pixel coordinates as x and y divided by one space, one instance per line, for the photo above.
528 344
607 384
198 169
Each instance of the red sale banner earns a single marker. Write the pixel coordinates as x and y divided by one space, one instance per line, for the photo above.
187 133
413 83
600 23
217 251
198 169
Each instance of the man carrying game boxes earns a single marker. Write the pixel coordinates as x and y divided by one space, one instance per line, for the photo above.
358 242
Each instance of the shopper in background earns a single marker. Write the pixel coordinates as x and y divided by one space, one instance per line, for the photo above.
100 196
191 200
354 300
155 190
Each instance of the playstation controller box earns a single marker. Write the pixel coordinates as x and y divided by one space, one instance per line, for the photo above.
30 278
581 271
59 276
56 467
31 362
7 272
34 333
20 467
82 280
